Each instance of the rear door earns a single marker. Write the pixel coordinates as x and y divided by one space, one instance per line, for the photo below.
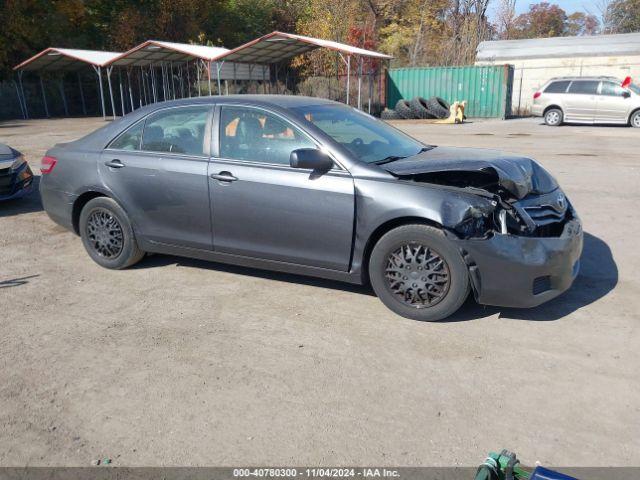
614 103
265 209
581 103
157 170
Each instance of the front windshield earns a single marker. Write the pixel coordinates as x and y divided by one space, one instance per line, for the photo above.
634 88
368 139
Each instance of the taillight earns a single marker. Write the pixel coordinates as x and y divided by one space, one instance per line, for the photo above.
536 95
47 164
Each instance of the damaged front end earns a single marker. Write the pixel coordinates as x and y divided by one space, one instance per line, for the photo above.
526 198
521 242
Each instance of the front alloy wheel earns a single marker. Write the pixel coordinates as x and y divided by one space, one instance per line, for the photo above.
417 275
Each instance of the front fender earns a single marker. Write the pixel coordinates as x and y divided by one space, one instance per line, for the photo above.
380 203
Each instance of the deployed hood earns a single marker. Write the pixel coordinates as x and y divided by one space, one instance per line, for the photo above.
520 176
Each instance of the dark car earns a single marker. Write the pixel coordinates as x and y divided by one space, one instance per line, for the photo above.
16 178
314 187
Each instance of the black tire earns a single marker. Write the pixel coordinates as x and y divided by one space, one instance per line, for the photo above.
107 234
419 109
390 115
388 283
403 109
438 107
634 119
553 117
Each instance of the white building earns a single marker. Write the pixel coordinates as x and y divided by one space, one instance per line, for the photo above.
537 60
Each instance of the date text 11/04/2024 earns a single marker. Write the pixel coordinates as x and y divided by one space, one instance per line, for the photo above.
316 472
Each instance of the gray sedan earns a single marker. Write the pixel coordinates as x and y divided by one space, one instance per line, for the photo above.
314 187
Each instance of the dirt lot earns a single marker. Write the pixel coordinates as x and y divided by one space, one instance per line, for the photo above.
180 362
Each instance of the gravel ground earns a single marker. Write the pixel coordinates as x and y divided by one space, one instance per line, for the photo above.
182 362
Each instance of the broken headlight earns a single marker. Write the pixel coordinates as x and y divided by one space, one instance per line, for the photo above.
473 226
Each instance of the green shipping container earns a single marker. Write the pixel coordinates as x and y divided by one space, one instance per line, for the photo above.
486 89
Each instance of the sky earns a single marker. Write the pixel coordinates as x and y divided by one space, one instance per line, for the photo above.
569 6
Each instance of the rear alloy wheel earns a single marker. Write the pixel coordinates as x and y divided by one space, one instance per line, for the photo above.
418 273
553 117
635 119
107 234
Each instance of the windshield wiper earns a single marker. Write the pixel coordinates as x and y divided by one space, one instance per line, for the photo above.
393 158
389 159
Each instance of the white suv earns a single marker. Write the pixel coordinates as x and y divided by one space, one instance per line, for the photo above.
587 100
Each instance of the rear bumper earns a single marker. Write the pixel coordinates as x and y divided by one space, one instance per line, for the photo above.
536 110
513 271
58 205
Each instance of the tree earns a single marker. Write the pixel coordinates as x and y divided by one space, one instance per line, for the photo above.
579 23
506 20
542 20
622 16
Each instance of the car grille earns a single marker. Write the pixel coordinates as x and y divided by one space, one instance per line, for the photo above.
547 214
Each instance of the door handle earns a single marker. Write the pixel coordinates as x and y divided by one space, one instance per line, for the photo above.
115 163
224 177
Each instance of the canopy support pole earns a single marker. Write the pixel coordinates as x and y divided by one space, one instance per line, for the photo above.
198 66
84 104
218 68
142 89
209 75
24 98
130 89
173 86
360 84
64 97
113 105
264 80
98 71
347 62
348 77
153 84
20 100
121 92
188 81
44 97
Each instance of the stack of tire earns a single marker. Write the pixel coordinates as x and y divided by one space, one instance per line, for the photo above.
418 108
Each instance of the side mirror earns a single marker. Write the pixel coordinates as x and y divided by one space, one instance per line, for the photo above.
310 158
626 94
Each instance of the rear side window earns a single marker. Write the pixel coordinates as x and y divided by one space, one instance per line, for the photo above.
585 87
130 139
557 87
177 130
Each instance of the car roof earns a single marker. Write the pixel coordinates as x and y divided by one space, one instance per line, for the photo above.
555 79
283 101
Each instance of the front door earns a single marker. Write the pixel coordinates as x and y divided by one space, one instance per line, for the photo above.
157 170
263 208
613 103
580 101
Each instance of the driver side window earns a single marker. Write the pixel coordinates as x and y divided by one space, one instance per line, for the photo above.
258 136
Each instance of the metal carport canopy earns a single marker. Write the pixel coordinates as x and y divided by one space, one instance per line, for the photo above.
279 46
57 59
154 51
63 60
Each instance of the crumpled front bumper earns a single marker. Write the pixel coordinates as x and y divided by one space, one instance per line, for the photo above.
17 184
515 271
